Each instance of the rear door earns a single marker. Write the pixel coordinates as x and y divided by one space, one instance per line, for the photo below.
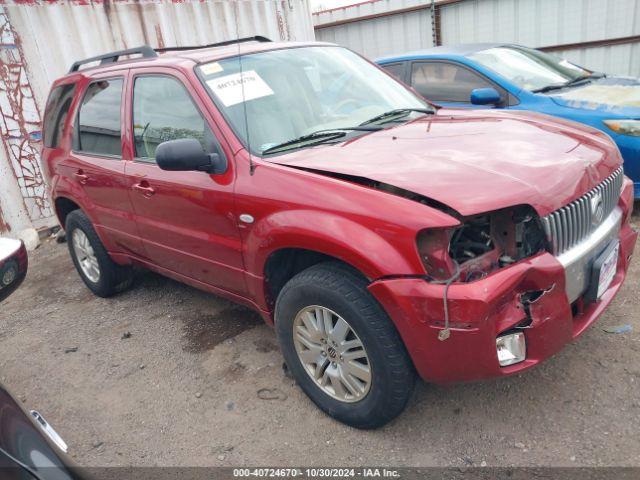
95 162
186 220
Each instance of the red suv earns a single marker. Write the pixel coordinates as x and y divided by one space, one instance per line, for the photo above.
383 236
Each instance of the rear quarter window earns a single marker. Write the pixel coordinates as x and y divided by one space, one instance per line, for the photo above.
55 114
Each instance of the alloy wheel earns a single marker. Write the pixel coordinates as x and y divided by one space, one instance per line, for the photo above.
86 256
332 354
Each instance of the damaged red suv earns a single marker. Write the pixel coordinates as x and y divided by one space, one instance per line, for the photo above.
381 235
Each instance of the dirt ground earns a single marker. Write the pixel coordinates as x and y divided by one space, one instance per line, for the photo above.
199 381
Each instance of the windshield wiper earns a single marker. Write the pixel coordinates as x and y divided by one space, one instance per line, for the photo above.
398 112
569 83
318 137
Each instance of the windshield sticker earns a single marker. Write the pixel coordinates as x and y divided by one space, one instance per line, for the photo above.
211 68
236 88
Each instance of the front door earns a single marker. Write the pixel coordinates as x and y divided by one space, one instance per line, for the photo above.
448 84
186 220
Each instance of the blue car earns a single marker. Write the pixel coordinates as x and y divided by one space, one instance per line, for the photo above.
512 76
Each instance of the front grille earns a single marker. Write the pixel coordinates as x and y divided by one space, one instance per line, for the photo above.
571 224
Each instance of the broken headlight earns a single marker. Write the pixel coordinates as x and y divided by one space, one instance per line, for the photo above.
624 127
482 244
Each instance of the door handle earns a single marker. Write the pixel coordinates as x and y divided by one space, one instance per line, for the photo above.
81 177
144 189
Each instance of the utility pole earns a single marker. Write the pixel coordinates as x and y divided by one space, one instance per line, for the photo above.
435 25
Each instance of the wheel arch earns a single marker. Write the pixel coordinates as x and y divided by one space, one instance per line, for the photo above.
63 207
284 243
284 264
64 204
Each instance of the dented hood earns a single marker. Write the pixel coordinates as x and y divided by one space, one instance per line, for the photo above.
615 95
475 161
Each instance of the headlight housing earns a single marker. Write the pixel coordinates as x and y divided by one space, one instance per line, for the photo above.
481 244
624 127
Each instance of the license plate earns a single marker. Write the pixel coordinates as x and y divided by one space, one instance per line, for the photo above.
608 270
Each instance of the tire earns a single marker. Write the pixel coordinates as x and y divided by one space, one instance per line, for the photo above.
336 288
111 278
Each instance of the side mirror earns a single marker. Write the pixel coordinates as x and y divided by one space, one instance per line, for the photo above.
485 96
187 154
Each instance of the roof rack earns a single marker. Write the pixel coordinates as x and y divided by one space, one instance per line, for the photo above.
146 51
256 38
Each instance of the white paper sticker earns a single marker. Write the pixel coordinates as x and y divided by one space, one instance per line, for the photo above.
211 68
229 89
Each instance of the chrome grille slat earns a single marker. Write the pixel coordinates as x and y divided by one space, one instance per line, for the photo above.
564 228
605 190
580 219
584 217
556 223
571 224
569 218
574 231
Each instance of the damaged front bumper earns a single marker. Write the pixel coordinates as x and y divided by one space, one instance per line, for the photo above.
543 296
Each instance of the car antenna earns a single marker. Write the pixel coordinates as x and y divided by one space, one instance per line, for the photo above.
252 166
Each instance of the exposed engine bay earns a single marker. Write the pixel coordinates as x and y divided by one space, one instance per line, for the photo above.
483 243
487 242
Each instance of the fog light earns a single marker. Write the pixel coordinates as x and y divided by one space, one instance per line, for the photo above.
511 348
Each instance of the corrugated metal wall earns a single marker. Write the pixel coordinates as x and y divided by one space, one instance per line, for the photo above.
377 36
544 23
23 199
535 23
54 36
40 40
619 59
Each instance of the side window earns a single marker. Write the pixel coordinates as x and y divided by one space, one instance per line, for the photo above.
445 82
162 111
98 122
396 70
55 114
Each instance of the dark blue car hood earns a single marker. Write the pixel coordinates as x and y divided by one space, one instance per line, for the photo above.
619 96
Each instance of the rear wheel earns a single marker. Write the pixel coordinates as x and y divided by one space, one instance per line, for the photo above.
96 268
341 347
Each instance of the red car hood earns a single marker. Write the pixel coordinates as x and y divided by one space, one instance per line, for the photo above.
475 161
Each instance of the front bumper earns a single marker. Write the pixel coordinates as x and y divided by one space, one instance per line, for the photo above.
481 310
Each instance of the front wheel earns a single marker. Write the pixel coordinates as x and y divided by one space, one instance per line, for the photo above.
341 347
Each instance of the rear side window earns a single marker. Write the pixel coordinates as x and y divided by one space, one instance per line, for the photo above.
55 114
98 122
162 111
445 82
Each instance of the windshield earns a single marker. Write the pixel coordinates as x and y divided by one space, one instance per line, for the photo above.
294 92
529 69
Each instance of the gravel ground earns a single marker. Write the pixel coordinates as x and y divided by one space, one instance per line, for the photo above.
166 375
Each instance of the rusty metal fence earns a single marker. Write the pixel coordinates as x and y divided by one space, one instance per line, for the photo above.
40 39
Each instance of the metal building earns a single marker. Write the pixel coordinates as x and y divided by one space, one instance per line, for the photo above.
376 28
602 35
40 39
